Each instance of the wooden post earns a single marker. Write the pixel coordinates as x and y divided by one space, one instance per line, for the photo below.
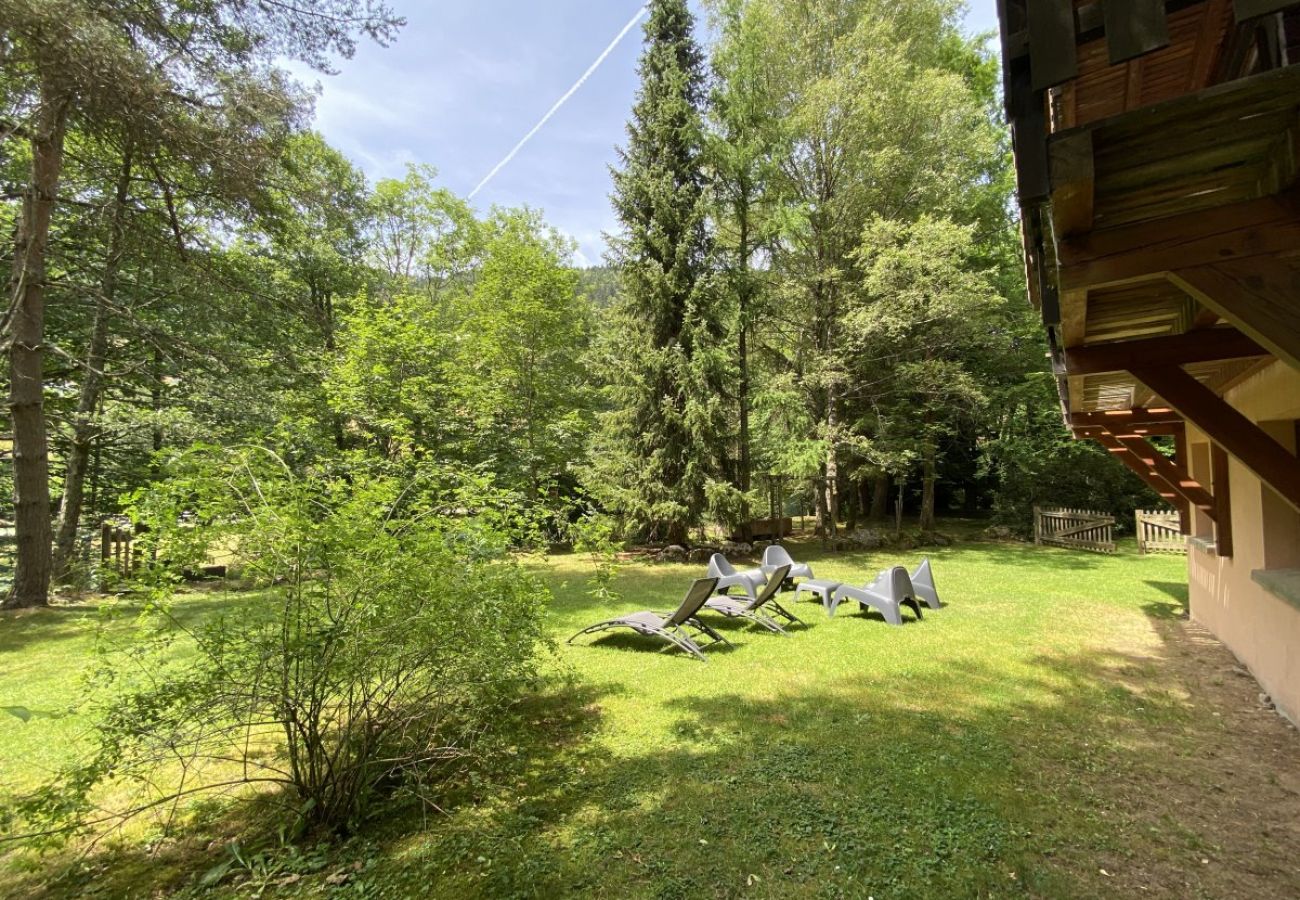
1038 537
1137 530
1223 499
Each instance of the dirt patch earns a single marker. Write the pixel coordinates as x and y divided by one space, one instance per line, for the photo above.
1206 801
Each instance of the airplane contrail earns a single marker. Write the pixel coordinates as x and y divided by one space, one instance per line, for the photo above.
558 103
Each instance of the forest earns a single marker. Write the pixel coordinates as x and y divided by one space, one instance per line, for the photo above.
345 396
191 262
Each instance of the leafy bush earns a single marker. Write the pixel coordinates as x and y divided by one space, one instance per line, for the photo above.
392 627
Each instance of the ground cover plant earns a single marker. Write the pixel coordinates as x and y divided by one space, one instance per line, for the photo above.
1059 729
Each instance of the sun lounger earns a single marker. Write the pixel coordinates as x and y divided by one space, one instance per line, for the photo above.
776 555
888 594
753 609
923 585
749 581
679 628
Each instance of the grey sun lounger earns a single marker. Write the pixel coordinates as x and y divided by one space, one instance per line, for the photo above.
888 594
680 628
776 555
748 581
923 585
753 609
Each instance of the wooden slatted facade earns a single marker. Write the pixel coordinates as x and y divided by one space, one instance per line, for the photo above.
1157 147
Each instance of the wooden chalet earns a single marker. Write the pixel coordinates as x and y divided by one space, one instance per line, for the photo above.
1157 147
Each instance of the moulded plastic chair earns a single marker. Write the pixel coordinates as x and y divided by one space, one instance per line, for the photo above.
776 555
749 580
923 585
888 594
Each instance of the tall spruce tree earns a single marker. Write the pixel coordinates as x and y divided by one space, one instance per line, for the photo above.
665 440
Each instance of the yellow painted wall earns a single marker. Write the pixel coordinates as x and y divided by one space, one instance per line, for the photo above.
1262 629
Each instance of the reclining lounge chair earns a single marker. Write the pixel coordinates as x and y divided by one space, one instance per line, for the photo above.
888 594
748 581
923 585
734 607
679 628
776 555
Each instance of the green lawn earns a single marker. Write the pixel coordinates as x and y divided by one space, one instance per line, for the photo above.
1056 730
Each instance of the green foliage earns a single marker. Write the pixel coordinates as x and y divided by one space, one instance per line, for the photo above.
393 629
520 373
594 535
663 442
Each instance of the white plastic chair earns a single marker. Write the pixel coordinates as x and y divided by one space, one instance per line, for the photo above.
776 556
749 580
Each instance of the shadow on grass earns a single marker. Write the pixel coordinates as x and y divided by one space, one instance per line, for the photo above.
1178 591
827 794
970 781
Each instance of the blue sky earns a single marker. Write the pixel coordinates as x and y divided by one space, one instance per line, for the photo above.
466 80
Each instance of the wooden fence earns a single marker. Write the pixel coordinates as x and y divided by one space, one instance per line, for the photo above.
1159 531
116 549
1080 529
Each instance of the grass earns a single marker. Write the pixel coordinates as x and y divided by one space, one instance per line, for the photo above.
1056 730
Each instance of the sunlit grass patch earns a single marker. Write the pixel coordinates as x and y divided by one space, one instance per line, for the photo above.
1002 745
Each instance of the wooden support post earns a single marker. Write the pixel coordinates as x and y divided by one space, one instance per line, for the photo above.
1222 499
1184 460
1259 297
1272 463
1187 486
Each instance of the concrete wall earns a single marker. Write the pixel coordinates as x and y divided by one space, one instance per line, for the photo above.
1259 626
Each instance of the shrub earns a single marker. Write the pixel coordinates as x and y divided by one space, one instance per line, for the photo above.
392 627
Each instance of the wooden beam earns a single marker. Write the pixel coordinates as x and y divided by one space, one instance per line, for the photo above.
1253 9
1073 180
1124 418
1161 429
1148 250
1193 346
1178 477
1134 27
1135 464
1207 50
1222 499
1028 117
1053 57
1272 463
1260 296
1074 318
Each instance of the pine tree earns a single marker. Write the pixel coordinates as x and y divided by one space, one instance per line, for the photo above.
665 441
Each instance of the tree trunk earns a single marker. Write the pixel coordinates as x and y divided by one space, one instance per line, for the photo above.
26 385
819 504
928 478
832 467
743 474
880 497
84 424
678 533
